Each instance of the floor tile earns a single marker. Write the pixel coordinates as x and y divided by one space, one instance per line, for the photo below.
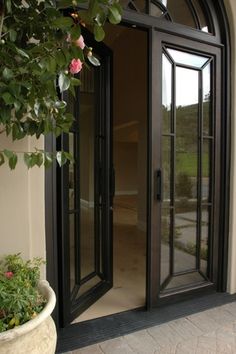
115 346
142 343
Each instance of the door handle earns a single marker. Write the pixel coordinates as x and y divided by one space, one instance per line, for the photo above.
159 185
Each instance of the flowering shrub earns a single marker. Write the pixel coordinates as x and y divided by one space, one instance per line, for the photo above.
20 300
41 49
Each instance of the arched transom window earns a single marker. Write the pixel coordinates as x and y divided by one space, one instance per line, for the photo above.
191 13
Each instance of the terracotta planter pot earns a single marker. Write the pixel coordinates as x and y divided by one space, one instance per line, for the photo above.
37 336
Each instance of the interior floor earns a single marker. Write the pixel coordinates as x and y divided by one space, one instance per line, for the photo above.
128 290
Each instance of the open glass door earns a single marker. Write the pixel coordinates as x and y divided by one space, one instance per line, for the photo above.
185 162
86 194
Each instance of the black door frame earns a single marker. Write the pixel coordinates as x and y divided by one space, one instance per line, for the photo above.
221 37
160 39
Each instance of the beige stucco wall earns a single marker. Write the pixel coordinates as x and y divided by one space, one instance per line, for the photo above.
22 204
231 12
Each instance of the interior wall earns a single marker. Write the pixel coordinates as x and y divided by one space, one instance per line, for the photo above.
22 211
130 113
231 13
125 162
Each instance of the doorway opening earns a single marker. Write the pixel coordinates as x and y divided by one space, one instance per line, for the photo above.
129 98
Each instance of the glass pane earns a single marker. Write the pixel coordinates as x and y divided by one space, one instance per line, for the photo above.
166 168
165 244
87 133
186 169
166 94
206 170
201 16
187 58
155 10
204 240
207 100
88 285
185 279
136 5
180 12
185 236
72 250
71 174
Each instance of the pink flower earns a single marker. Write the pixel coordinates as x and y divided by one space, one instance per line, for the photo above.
9 275
68 38
80 42
75 66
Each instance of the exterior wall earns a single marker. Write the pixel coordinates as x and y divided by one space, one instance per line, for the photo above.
231 13
22 214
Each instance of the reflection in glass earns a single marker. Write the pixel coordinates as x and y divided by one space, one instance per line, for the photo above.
165 244
136 5
187 58
206 170
204 240
71 174
186 92
88 285
184 280
186 169
207 100
86 123
166 94
180 12
72 250
166 167
155 10
201 16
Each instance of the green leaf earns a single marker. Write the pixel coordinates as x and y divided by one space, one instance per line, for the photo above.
99 33
100 18
48 160
8 153
75 32
5 115
17 132
39 159
27 158
7 74
13 161
93 60
61 158
51 64
63 82
69 157
8 6
8 98
62 4
60 58
60 104
32 159
12 158
75 82
2 159
63 22
22 53
114 15
12 35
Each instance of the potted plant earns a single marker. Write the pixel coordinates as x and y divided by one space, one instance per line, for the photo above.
26 304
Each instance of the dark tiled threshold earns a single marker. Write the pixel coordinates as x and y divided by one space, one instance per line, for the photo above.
94 331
